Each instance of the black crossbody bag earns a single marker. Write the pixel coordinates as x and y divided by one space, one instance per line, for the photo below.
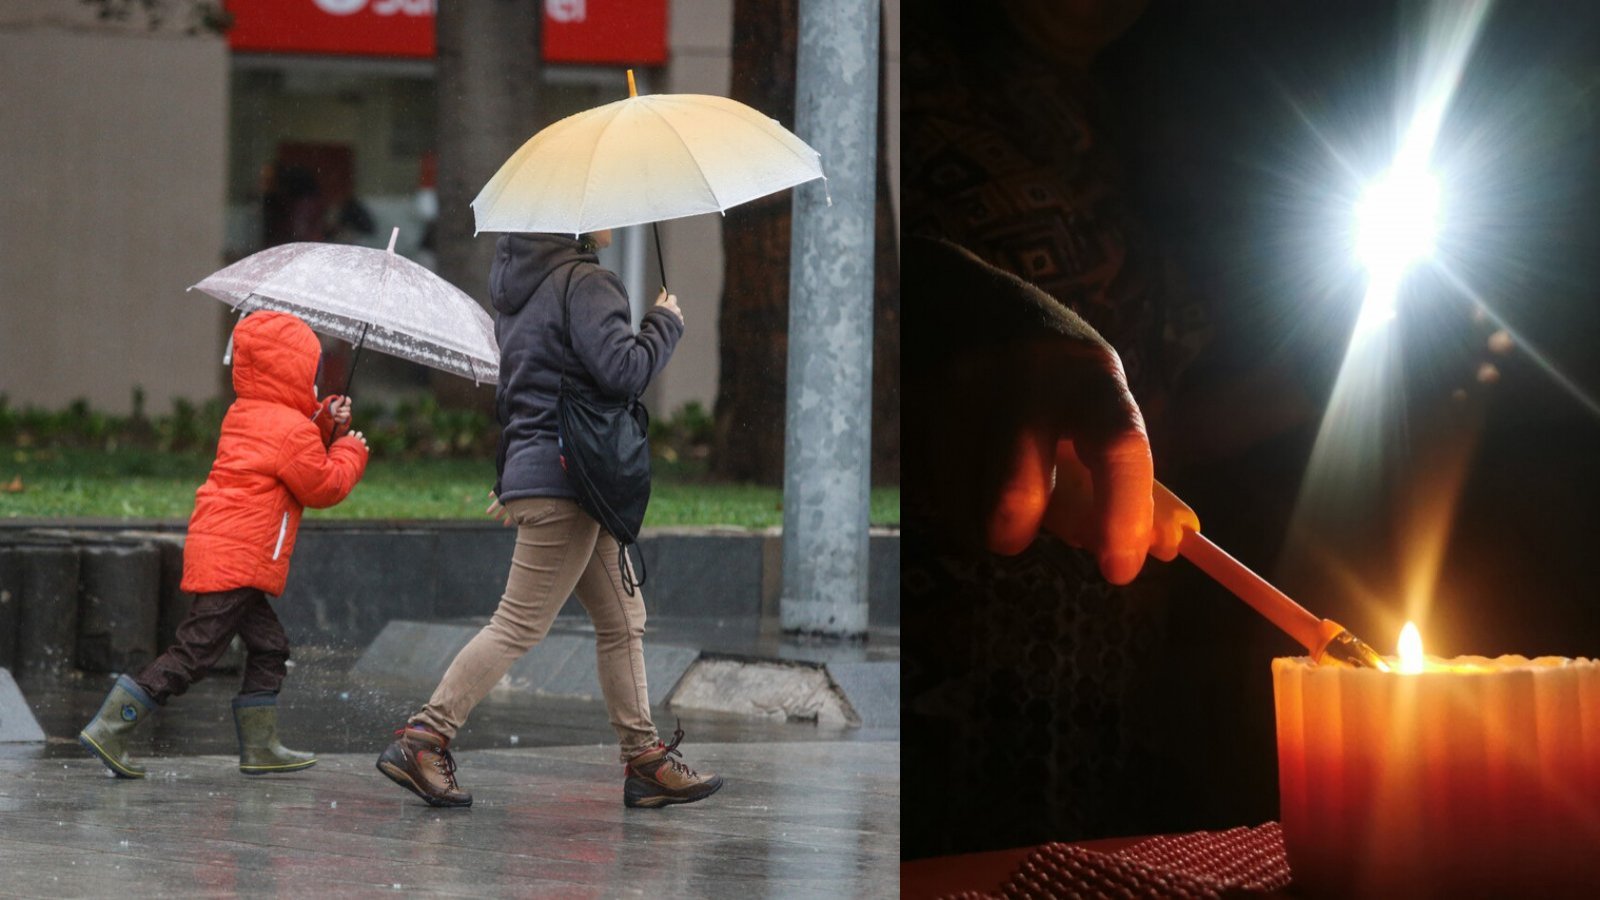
605 451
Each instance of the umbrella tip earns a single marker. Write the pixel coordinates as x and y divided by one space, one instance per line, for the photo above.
633 90
392 236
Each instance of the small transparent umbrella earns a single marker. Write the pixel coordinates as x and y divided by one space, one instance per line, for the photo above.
643 159
367 297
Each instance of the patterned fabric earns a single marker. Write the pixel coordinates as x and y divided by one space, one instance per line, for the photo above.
1004 156
1205 864
1019 677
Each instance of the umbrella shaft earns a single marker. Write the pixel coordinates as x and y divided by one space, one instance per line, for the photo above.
355 360
661 258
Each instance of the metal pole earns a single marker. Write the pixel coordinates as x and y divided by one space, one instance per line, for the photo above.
827 444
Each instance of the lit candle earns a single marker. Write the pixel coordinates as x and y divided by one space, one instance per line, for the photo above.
1461 777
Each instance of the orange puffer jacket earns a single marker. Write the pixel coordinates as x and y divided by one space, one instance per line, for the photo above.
271 462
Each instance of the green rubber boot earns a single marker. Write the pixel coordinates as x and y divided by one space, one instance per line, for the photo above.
256 720
106 736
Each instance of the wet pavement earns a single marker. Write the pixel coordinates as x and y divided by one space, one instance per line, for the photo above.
327 709
801 819
809 810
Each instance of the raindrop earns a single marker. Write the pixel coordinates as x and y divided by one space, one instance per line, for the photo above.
514 740
333 805
344 695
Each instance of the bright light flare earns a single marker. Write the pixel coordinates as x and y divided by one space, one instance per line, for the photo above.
1397 220
1411 661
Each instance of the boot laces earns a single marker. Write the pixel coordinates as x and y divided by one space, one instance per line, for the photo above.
672 757
446 766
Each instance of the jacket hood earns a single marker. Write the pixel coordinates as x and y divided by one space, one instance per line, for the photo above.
522 262
275 357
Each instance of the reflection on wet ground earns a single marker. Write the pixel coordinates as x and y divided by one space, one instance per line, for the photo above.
325 709
808 811
798 819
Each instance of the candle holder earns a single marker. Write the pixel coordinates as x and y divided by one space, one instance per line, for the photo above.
1474 777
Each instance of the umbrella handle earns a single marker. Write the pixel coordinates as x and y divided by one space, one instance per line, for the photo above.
661 259
354 361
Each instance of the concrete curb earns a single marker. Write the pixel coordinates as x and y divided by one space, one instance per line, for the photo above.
350 579
563 664
681 675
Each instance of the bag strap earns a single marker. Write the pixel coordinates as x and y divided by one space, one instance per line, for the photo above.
566 321
625 567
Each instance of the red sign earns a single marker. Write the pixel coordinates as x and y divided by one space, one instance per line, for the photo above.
574 31
341 27
606 31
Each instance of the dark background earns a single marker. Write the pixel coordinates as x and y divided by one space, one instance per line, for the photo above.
1229 117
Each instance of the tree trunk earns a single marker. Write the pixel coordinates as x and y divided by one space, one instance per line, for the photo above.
747 440
886 304
489 74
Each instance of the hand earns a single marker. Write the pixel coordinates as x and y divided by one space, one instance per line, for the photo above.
1013 400
339 408
1070 515
358 436
669 302
497 511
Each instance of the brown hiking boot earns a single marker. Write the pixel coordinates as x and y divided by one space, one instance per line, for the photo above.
420 762
657 777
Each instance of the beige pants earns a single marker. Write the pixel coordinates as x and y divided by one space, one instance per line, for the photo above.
559 548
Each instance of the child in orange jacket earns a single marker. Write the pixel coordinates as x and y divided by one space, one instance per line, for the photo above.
273 459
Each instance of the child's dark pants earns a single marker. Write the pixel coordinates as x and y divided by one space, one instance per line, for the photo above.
204 635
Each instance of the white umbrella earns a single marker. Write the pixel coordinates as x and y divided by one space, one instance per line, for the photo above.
643 159
368 297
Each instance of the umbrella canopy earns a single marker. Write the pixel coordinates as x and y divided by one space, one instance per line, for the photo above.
367 297
643 159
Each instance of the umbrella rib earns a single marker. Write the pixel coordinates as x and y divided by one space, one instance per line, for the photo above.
703 180
583 201
733 114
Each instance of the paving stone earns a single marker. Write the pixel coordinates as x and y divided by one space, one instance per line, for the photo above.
17 724
873 689
763 688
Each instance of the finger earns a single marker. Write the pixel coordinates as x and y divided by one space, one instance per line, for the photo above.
1171 520
1012 521
1070 515
1123 473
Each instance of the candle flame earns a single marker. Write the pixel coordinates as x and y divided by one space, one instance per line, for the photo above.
1410 650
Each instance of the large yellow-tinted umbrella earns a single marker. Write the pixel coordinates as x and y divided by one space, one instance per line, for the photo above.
644 159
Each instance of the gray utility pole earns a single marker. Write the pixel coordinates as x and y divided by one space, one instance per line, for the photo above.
828 438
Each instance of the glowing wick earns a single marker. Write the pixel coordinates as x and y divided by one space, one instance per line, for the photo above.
1410 650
